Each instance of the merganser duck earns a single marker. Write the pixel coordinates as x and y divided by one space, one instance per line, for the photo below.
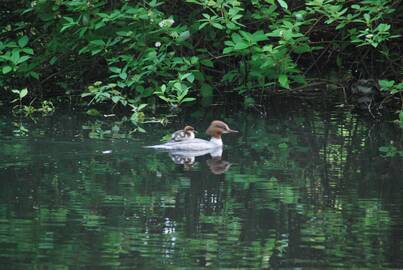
184 134
215 130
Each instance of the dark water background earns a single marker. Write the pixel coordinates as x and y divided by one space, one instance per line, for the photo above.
293 189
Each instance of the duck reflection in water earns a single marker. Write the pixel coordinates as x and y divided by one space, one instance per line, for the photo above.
188 158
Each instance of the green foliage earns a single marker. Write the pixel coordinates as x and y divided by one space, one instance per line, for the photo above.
175 92
151 51
363 19
14 56
390 151
45 107
391 86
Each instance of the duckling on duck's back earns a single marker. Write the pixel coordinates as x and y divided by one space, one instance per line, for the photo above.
184 134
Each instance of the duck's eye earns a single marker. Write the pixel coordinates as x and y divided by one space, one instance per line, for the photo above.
223 127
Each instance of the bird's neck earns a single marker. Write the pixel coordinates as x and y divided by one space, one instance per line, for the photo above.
216 140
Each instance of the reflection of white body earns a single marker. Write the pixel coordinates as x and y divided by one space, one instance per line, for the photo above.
214 152
190 145
187 159
215 130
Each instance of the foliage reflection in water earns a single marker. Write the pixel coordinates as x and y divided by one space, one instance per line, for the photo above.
295 190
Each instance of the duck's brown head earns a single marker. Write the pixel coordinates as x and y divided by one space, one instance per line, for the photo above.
217 128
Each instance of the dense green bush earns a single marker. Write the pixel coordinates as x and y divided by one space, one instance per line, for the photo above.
131 52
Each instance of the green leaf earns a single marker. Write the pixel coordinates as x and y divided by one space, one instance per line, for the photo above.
283 146
23 41
98 42
386 84
283 4
207 16
116 99
93 112
15 56
23 93
6 69
241 46
228 50
123 75
53 60
207 63
259 36
23 59
34 74
183 36
140 129
188 99
141 106
28 51
283 80
188 76
217 25
115 69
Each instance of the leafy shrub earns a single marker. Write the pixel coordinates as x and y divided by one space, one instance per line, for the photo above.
131 53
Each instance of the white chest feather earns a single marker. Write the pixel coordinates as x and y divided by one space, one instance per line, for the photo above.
216 141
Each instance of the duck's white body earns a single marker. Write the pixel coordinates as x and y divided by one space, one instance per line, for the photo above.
213 146
190 145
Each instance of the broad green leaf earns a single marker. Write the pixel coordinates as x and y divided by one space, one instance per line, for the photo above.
228 50
217 25
116 99
283 80
241 46
28 51
183 36
188 76
6 69
23 93
34 74
15 56
283 146
236 38
23 59
115 69
386 84
259 36
23 41
207 63
123 75
283 4
98 42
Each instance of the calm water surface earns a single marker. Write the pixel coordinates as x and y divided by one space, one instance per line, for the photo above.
291 190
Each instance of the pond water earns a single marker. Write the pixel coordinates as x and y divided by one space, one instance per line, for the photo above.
293 189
